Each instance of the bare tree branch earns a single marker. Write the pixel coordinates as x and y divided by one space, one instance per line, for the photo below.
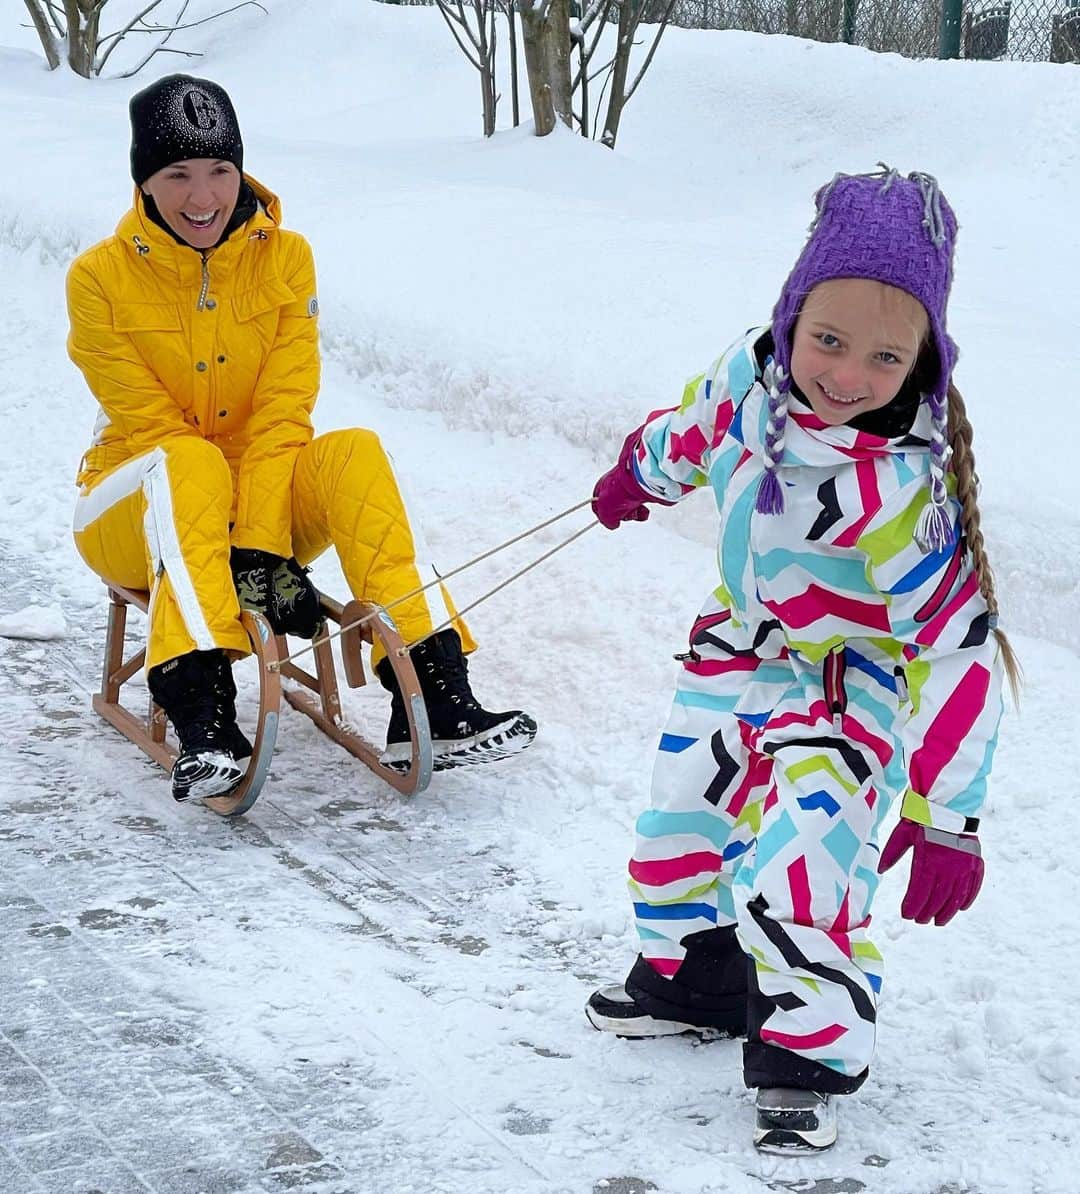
160 48
600 69
595 9
57 17
459 16
577 38
204 20
120 34
45 34
478 11
177 25
604 87
448 17
70 28
652 50
605 8
479 45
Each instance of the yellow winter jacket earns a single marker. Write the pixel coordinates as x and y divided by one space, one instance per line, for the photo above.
222 344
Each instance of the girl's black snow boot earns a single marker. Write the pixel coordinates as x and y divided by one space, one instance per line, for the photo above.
794 1121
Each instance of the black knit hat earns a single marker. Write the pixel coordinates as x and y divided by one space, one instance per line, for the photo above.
177 118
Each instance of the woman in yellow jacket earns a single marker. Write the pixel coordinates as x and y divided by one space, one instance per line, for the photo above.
195 326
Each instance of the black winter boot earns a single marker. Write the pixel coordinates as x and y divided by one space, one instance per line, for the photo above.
707 994
462 732
198 695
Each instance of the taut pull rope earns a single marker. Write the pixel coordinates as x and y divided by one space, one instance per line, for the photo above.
326 638
404 650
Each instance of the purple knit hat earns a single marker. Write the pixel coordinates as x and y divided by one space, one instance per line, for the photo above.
900 231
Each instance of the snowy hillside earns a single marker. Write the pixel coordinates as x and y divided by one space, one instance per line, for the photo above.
351 992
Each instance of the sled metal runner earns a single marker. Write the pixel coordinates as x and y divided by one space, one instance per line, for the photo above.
317 697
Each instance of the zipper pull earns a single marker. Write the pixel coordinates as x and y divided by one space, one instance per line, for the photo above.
901 684
837 718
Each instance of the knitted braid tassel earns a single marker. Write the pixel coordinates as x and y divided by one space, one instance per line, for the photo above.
770 494
934 530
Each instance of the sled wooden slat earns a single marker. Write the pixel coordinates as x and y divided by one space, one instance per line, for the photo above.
291 672
325 711
350 638
134 728
127 670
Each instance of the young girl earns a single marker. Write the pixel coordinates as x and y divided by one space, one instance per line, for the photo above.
848 654
196 329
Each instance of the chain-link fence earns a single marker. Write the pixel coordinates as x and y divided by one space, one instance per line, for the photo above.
1029 30
1032 30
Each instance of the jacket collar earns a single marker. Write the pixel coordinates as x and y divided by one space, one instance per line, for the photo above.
811 441
149 242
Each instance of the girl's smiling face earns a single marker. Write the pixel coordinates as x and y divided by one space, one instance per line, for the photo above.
854 344
196 198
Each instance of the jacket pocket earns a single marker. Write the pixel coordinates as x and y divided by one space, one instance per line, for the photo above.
146 317
267 296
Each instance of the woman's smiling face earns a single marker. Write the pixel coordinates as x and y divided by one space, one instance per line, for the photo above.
854 344
196 198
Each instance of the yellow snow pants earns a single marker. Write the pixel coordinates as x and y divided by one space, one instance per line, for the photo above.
160 522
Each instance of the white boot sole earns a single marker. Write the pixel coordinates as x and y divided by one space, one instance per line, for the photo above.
508 738
222 774
643 1027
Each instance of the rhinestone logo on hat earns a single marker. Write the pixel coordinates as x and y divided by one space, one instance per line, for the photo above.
200 109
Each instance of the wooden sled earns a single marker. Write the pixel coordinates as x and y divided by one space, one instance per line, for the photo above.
324 707
318 697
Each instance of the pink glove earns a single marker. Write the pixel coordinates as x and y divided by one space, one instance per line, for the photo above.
618 496
946 871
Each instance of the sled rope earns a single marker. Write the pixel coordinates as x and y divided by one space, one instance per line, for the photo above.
404 650
407 647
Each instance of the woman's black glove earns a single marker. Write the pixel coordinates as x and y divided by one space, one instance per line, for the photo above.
296 601
277 588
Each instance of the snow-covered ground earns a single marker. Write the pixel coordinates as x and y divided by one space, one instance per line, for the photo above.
354 992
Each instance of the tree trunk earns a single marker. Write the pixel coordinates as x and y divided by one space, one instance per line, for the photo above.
510 20
579 41
628 22
486 55
545 33
82 36
48 39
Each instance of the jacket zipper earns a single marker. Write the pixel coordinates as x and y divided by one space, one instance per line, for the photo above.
205 282
900 676
835 695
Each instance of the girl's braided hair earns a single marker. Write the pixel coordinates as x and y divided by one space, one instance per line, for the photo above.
967 485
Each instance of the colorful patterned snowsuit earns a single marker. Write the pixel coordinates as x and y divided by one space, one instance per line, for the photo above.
833 667
206 371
